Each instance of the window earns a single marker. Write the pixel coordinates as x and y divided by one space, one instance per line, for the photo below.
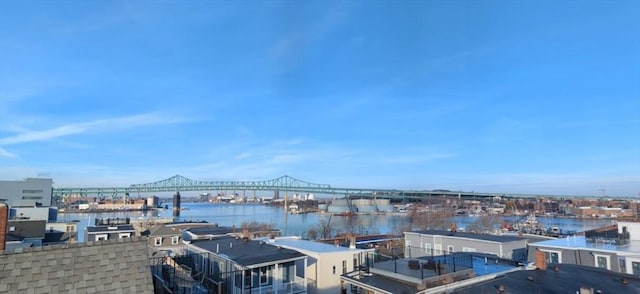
31 197
635 267
602 261
287 270
158 241
264 278
450 249
468 249
552 256
102 237
32 191
344 267
427 248
175 239
334 269
247 279
438 248
124 235
71 229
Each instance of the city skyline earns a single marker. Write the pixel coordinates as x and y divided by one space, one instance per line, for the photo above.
496 96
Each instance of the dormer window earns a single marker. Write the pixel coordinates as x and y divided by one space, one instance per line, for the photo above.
158 241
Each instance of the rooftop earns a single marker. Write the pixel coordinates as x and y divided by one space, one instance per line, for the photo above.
575 242
412 275
18 230
211 230
297 243
568 279
485 237
118 228
113 266
246 252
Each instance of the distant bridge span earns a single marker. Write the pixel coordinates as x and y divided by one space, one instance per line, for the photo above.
284 184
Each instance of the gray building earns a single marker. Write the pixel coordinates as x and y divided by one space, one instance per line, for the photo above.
168 238
26 193
240 265
25 233
109 229
613 248
34 213
439 242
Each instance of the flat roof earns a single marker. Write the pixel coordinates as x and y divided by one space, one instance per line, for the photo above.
568 279
574 242
297 243
484 237
246 253
106 228
210 230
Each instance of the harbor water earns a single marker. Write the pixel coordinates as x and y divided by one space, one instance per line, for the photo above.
226 214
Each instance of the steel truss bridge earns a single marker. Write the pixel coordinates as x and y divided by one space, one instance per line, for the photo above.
284 184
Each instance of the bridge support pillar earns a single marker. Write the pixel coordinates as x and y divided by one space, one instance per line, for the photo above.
176 204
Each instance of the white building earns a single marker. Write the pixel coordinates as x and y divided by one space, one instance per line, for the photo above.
613 248
438 242
326 263
26 192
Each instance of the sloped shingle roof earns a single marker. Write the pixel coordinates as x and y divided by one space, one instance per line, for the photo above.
113 266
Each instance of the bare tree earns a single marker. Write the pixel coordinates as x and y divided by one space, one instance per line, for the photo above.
312 233
429 220
324 228
485 224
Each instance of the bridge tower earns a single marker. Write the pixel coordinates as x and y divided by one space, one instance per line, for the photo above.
176 204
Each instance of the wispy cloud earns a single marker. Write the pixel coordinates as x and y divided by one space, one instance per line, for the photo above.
96 126
5 153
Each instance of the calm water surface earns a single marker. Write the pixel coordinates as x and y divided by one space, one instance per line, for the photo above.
226 214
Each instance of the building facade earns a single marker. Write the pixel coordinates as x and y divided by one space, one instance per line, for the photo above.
616 249
438 242
26 193
109 229
240 265
326 263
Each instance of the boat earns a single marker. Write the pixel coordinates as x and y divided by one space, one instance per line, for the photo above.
345 213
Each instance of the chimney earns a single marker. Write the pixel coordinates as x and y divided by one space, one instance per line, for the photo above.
541 260
586 290
454 228
245 235
352 242
4 215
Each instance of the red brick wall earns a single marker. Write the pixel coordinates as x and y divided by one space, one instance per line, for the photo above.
4 214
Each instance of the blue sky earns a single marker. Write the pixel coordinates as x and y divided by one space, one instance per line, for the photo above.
492 96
